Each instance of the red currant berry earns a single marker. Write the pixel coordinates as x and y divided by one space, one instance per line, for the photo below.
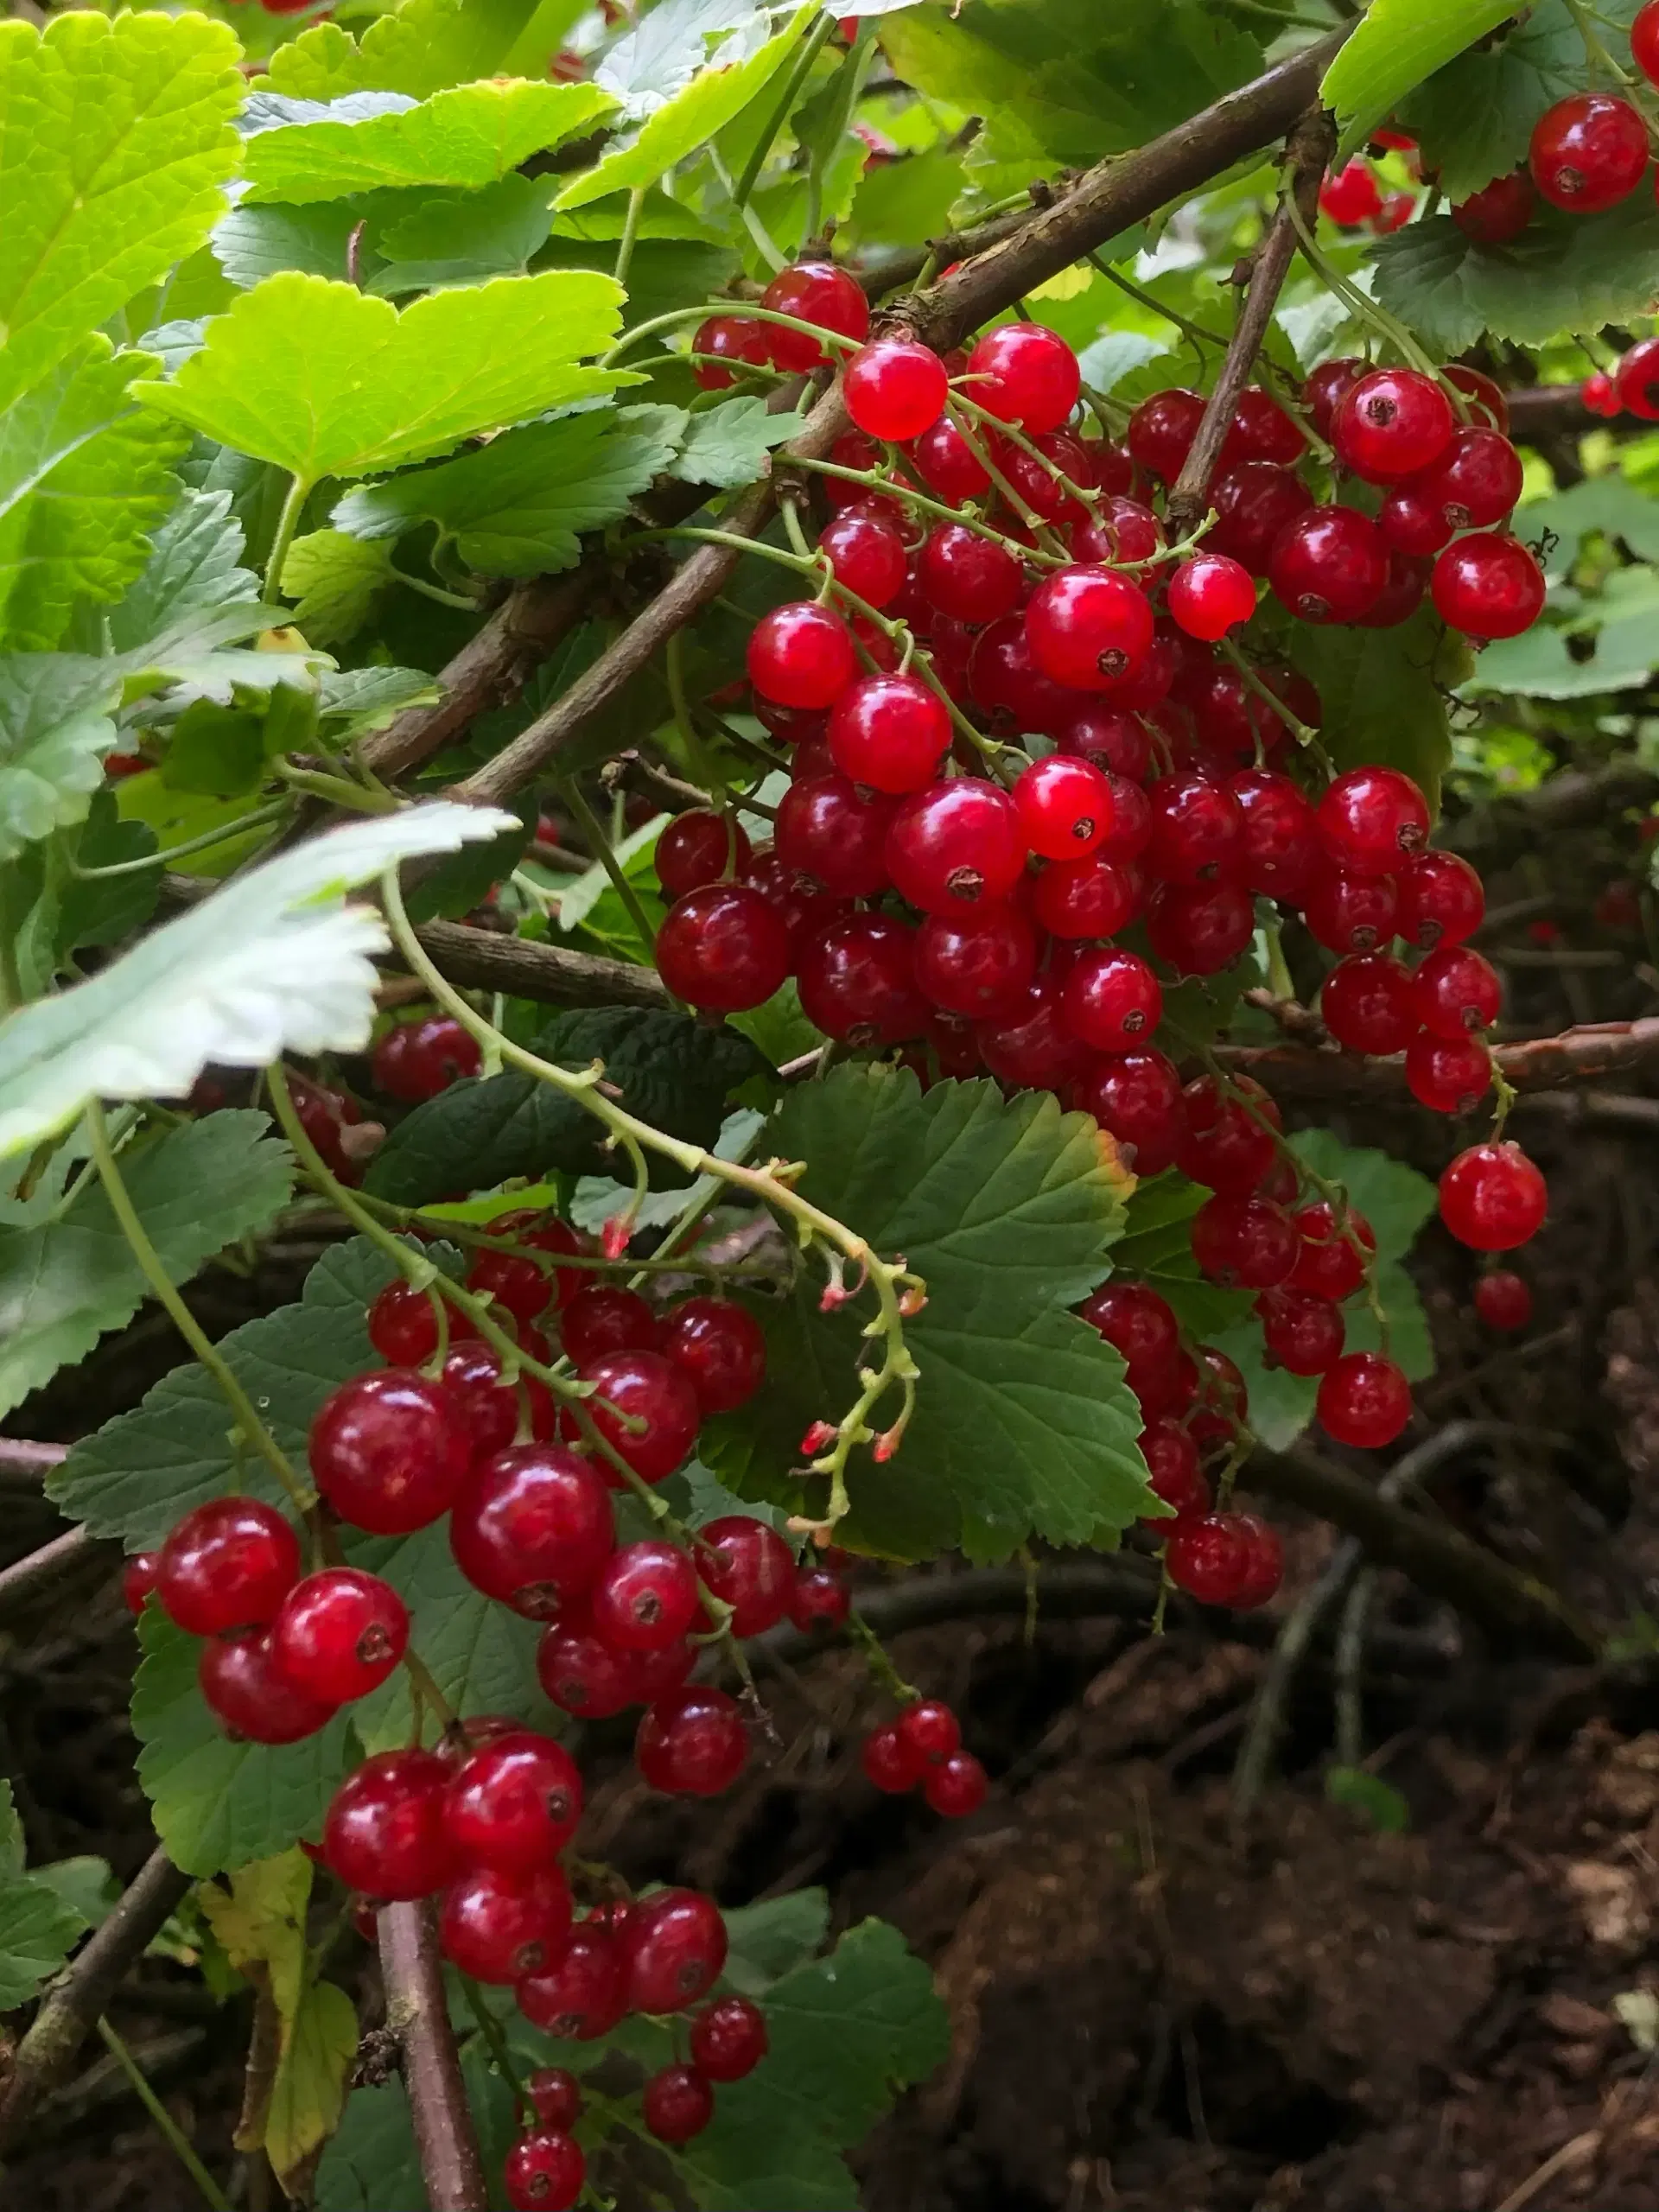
832 839
498 1926
1087 899
1329 1264
1498 214
1228 1143
949 467
801 655
418 1059
1401 596
645 1598
1448 1078
965 575
1139 1324
515 1283
674 1947
138 1579
545 2170
250 1698
227 1564
488 1409
386 1832
816 292
645 1409
1371 819
339 1634
979 965
545 1234
956 1786
1161 431
1493 1198
556 2095
895 388
1369 1005
1503 1300
1325 386
514 1804
1475 483
867 552
1392 424
388 1453
1262 431
699 848
858 983
1197 830
583 1993
1364 1401
1350 196
724 338
692 1744
819 1599
1122 533
1645 40
889 733
1488 586
1210 595
1111 999
676 2104
1031 1049
1456 992
1300 1332
1588 152
1026 374
403 1324
1252 503
1246 1243
890 1761
1600 395
723 949
1278 851
729 2040
1208 1555
1110 739
1006 683
721 1347
956 844
748 1565
1201 929
534 1527
1264 1564
604 1318
931 1730
1172 1470
1412 522
1088 629
1329 565
1352 913
1635 380
1441 900
584 1675
1065 805
1137 1098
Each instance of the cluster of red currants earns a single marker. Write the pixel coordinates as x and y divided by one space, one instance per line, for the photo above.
923 1749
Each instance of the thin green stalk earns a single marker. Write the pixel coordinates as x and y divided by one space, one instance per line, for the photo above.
252 1429
1366 309
12 980
490 2028
630 233
211 2192
817 32
316 784
967 517
765 245
749 309
1195 331
881 1663
1306 738
437 593
299 490
241 828
608 859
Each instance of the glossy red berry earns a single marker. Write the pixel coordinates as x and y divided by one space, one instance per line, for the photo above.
890 1761
1300 1332
602 1318
339 1634
1636 381
1023 373
699 847
931 1730
250 1699
645 1407
1474 484
498 1926
889 733
1228 1143
1109 738
895 388
1253 502
1122 533
1496 215
819 1599
1325 386
1369 1005
1138 1324
1352 913
138 1580
1488 586
514 1804
1111 999
948 464
1331 1264
545 2170
1006 681
1371 820
1600 395
676 2104
1087 899
1262 431
816 292
801 655
721 1347
673 1946
1264 1564
858 983
1455 992
403 1324
1162 428
1493 1198
1588 152
1441 900
1245 1243
956 1786
1413 521
1031 1049
831 838
645 1597
227 1564
979 965
747 1564
1208 1555
728 2040
583 1674
1392 424
956 844
534 1527
723 949
1065 806
735 338
1172 1470
386 1832
1364 1400
1201 929
1352 195
583 1993
1503 1300
491 1409
1448 1078
417 1060
965 575
1278 851
1088 629
514 1281
555 2094
1137 1098
388 1453
1328 565
1197 830
1210 595
692 1743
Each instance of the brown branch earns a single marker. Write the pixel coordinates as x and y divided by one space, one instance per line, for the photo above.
67 2018
632 771
1307 151
1537 410
418 2015
25 1457
1539 1064
25 1579
524 969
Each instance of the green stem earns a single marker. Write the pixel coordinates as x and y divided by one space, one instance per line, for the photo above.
608 859
750 310
253 1430
12 980
765 244
299 490
1308 739
437 593
1365 310
881 1663
316 784
817 32
1195 331
630 233
1595 51
211 2192
241 827
490 2028
968 517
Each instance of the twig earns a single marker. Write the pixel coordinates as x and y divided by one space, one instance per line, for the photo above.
632 771
520 969
1584 1055
31 1459
69 2012
26 1578
1310 147
418 2015
181 2148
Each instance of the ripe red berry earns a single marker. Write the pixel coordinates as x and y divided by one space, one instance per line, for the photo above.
1351 196
1278 851
956 1786
1137 1098
645 1409
1162 428
721 1347
138 1579
545 2170
1503 1300
1209 594
890 1761
1368 1004
949 467
830 838
1065 806
1456 992
1325 385
673 1948
513 1281
227 1564
1006 681
801 655
583 1993
534 1527
1329 1264
1599 393
1391 424
514 1804
417 1060
816 292
964 575
1300 1332
1197 830
388 1453
931 1730
1588 152
866 551
1122 533
723 949
1493 1198
728 2040
1364 1400
1645 40
1088 898
1441 900
1264 1564
1371 820
603 1317
1025 373
1246 1243
1228 1143
403 1324
1201 929
858 981
724 338
819 1599
1253 502
246 1695
339 1634
1208 1555
555 2094
692 1743
1497 215
895 388
1263 432
747 1565
1328 565
1448 1077
1138 1324
1352 913
1474 484
645 1597
583 1673
700 846
889 733
499 1926
979 965
676 2104
1088 629
490 1409
1172 1470
956 844
1636 381
1488 586
1030 1049
386 1832
1111 999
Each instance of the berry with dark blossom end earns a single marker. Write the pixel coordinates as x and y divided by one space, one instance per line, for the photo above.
889 733
956 1786
1493 1198
700 846
673 1948
603 1317
1253 502
895 388
676 2104
1372 819
1497 215
1210 595
1201 929
858 983
1368 1003
1364 1401
1503 1300
1031 1049
534 1528
1172 1470
1005 680
1441 900
819 1599
1330 1263
1162 428
1488 585
721 1347
583 1992
1278 851
1413 523
1229 1141
1087 899
1245 1243
386 1831
692 1743
747 1564
545 2170
1065 806
1474 484
497 1926
1110 738
723 949
645 1597
556 2095
1111 999
801 655
816 292
227 1564
583 1674
1455 992
831 837
1328 565
956 844
388 1453
1025 373
339 1634
1446 1076
1392 424
645 1407
1588 152
250 1697
417 1060
138 1579
728 2040
890 1761
514 1803
1137 1098
1208 1555
1636 381
1350 913
1088 629
1300 1332
1197 830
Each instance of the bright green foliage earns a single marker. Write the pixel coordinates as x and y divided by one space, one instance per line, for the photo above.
1396 45
55 727
1023 1425
419 48
335 582
324 381
468 136
39 1924
67 1274
462 238
728 444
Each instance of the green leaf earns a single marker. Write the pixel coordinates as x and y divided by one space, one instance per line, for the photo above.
193 594
1156 1247
671 1071
217 1804
1007 1209
372 2165
1382 693
324 381
357 700
899 201
418 48
116 148
276 960
469 137
771 1939
335 580
1609 644
67 1279
728 445
1473 120
690 119
135 1476
55 727
39 1926
1394 46
655 61
309 2094
101 911
1382 1807
464 237
254 243
516 507
216 752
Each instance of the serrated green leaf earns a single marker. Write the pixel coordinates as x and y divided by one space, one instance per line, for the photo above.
372 2164
253 243
55 727
669 1070
354 701
688 119
658 58
334 581
309 2094
418 48
462 238
1609 645
516 507
728 445
192 593
771 1939
217 1804
1006 1208
102 910
324 381
275 960
898 201
1382 693
1473 120
469 137
115 145
67 1280
38 1925
1393 48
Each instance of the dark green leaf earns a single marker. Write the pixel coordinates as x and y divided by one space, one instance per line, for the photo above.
1156 1247
216 752
1396 45
102 912
55 728
463 236
39 1924
464 879
1384 692
728 445
252 243
334 581
370 2165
